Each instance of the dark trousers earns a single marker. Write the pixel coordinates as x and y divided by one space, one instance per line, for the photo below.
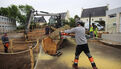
5 49
91 34
85 48
81 48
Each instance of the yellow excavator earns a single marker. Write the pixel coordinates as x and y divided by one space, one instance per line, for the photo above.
49 45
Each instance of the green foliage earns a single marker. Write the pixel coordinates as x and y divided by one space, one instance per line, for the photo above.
18 13
25 9
20 27
76 16
4 11
13 11
72 22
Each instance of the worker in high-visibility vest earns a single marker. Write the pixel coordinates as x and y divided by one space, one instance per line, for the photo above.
91 31
47 30
95 31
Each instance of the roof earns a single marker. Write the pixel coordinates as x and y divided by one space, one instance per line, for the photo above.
95 12
39 19
113 11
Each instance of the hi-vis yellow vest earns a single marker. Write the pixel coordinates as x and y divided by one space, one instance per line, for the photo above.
91 29
95 31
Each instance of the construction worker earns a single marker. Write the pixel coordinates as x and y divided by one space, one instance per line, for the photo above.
47 30
25 35
95 31
91 31
82 44
5 41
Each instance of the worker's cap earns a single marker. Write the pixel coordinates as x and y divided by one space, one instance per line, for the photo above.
80 23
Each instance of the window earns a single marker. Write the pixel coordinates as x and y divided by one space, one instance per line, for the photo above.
100 19
87 19
98 24
112 16
92 19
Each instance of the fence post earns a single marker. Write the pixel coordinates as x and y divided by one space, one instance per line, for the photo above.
37 45
32 58
11 45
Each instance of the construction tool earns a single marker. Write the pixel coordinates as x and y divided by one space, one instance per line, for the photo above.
65 35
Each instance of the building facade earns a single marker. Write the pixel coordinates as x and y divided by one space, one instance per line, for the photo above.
113 20
7 24
96 14
64 16
39 21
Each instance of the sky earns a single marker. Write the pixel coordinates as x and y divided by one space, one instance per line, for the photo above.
56 6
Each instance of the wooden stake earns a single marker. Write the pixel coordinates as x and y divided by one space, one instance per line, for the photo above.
37 45
11 45
32 58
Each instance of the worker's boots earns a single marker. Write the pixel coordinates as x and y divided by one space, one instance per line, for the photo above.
75 66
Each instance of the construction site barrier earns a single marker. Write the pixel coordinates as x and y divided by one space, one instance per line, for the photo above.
20 60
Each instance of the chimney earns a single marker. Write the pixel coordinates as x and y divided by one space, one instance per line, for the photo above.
108 6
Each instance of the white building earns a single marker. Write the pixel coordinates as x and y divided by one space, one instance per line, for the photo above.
113 20
96 14
113 25
7 24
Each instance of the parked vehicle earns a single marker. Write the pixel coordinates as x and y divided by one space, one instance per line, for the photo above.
100 27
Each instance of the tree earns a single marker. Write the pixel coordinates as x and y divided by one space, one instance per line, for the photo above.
25 10
76 18
72 22
4 11
18 13
13 11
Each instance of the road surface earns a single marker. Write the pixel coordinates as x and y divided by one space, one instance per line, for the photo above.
105 57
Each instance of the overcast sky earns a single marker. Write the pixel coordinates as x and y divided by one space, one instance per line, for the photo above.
55 6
